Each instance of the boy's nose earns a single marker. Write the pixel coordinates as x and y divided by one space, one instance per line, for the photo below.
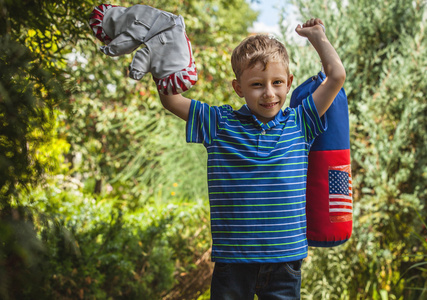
268 92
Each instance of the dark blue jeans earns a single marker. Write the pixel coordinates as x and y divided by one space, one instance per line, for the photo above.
281 281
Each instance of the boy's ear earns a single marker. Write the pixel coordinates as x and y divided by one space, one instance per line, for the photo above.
290 79
237 88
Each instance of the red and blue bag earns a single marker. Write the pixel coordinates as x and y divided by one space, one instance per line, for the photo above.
329 206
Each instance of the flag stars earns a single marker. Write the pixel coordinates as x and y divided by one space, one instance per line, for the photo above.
338 182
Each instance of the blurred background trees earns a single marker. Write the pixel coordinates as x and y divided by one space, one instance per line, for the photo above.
383 47
101 198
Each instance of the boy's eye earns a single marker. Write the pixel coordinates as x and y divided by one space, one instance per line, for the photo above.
278 82
256 84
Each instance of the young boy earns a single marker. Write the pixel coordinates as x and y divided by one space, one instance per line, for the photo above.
257 166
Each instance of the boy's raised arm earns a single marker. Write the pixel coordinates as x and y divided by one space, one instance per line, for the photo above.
333 67
177 104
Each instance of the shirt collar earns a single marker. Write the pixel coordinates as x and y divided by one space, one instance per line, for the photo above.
281 117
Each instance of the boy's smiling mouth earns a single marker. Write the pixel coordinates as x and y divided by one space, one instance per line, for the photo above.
269 105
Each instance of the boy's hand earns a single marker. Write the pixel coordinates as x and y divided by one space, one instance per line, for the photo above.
312 26
334 70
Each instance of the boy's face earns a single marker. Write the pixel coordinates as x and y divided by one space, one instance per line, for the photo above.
264 90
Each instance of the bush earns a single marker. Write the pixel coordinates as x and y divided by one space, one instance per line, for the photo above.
84 247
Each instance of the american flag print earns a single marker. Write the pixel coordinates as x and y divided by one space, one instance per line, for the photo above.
340 194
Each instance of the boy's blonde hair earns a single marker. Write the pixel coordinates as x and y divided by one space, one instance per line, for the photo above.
258 48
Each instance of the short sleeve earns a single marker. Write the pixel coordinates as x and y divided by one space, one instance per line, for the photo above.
311 124
202 124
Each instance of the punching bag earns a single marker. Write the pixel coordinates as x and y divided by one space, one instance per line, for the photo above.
329 206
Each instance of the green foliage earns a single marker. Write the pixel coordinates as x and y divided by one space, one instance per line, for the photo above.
383 47
25 110
95 248
34 37
20 254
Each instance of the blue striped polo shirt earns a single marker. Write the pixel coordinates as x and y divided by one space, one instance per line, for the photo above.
256 179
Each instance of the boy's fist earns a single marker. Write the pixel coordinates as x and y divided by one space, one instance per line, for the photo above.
310 26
